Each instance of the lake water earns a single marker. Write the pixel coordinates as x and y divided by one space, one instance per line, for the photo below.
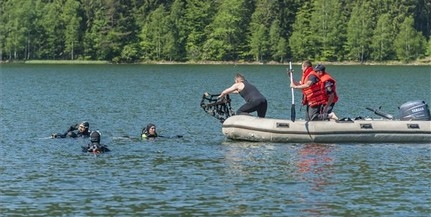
201 174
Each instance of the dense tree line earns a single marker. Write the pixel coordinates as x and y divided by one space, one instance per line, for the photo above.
215 30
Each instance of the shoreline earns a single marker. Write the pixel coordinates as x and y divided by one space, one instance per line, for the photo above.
422 62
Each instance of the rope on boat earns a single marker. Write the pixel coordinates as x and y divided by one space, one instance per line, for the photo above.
218 108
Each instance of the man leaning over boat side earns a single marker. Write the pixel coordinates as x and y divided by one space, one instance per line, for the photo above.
328 85
255 101
313 95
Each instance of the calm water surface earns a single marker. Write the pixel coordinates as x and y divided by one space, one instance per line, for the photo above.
201 174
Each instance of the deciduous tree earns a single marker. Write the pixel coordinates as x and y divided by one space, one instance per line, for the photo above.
382 40
409 43
72 20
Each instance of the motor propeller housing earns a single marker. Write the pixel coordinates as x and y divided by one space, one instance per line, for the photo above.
414 110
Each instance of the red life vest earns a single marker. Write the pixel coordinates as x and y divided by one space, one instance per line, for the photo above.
314 94
323 79
303 81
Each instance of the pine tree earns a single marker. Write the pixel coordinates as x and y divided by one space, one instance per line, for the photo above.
198 16
259 31
225 32
277 44
177 38
330 30
300 42
154 33
359 32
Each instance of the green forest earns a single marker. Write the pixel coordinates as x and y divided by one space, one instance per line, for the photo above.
133 31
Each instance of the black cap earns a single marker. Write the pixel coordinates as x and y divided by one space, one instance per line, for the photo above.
85 124
319 67
95 136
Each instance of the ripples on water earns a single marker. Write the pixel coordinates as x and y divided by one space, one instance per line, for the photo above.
199 174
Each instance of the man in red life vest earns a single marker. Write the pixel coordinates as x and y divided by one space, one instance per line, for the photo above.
328 86
313 95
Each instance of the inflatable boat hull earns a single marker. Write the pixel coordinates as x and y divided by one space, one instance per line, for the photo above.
249 128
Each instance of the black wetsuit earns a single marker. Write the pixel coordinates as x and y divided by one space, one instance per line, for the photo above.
95 147
255 101
71 134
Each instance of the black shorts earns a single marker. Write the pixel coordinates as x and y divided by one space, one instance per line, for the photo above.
312 113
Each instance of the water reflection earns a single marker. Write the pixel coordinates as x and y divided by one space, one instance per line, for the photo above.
255 159
315 168
310 163
315 163
300 176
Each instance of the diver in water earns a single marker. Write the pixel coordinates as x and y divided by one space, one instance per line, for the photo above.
94 146
150 132
82 131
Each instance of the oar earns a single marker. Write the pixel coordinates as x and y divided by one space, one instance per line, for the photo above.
292 109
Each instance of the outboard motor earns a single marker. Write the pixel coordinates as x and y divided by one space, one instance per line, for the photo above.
415 110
